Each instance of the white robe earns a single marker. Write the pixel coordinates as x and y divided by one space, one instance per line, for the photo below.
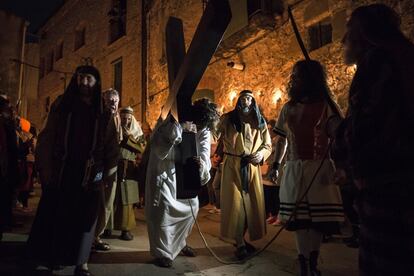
169 220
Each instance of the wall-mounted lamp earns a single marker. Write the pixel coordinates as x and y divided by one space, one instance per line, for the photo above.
237 66
277 95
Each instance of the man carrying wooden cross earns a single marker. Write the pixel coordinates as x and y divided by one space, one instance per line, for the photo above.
180 144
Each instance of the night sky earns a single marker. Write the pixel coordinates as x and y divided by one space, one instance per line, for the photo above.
34 11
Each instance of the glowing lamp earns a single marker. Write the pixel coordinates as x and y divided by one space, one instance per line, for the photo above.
277 95
232 96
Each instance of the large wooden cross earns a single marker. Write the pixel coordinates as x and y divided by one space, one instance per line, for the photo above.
185 71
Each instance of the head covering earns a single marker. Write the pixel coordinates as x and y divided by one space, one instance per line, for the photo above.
127 109
134 129
72 91
235 117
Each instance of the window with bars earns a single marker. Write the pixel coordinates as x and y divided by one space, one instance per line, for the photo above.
59 51
320 34
80 34
117 20
117 76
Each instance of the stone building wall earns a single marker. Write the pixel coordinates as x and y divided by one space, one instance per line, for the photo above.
267 47
11 41
93 15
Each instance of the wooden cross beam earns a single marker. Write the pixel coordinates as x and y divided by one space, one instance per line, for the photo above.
184 73
207 37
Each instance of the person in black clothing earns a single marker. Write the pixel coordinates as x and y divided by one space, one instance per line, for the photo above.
376 139
76 151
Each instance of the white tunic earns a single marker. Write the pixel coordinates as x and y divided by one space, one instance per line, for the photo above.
169 220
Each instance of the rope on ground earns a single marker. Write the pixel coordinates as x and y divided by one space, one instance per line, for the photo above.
220 260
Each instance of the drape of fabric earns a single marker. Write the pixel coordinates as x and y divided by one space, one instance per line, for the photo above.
134 129
386 248
77 148
127 192
322 208
105 216
170 220
237 203
124 216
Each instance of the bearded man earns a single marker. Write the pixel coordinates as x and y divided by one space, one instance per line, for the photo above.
76 154
247 144
377 138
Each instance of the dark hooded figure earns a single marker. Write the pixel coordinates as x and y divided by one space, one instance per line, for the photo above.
247 144
376 138
77 152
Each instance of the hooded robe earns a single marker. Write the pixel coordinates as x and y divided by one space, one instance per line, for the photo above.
77 150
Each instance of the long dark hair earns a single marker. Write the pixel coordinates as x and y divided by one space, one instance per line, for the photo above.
205 113
308 82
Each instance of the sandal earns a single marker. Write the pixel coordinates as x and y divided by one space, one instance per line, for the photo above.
188 251
100 245
163 262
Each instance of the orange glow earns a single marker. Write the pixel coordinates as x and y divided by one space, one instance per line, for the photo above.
277 95
232 96
24 125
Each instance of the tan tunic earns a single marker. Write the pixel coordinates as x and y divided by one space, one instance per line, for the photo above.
237 205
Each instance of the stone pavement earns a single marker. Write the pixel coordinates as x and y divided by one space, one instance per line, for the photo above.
133 258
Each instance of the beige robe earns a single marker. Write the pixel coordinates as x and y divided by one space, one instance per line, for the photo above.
237 206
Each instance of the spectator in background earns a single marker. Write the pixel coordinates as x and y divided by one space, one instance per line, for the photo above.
127 187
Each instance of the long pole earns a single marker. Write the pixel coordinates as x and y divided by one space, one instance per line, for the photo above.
144 43
20 91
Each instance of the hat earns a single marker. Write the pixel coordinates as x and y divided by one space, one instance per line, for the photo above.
246 93
127 109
